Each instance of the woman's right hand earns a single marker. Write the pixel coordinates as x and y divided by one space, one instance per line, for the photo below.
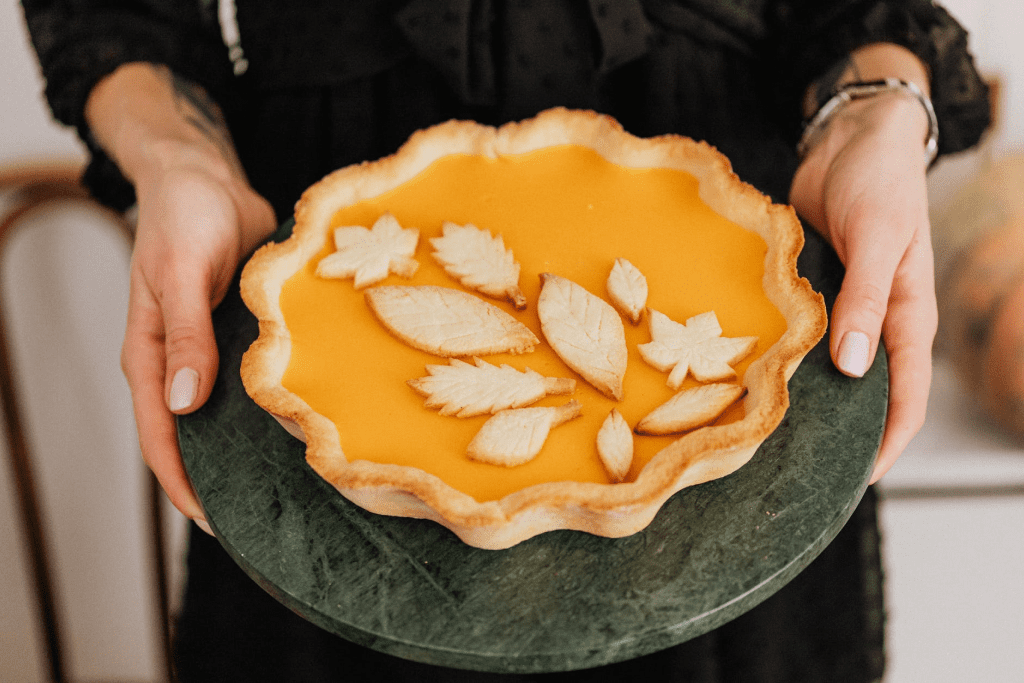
863 185
197 218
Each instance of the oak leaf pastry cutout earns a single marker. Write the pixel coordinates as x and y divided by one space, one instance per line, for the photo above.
585 331
480 261
514 437
369 255
695 348
690 408
447 322
615 446
627 289
467 389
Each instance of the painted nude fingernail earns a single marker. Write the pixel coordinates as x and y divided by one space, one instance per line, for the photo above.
853 353
184 388
203 524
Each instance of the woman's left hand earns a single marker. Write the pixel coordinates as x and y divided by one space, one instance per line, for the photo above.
862 185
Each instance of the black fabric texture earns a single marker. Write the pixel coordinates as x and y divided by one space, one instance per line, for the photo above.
679 60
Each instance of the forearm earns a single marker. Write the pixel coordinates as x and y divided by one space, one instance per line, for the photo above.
170 141
147 118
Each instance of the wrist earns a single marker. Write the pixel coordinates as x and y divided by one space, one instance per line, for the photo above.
139 116
156 154
894 106
873 62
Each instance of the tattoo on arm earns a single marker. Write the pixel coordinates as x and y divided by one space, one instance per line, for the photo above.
202 113
843 71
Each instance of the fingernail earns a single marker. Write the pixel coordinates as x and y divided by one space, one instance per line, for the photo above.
184 387
203 524
853 353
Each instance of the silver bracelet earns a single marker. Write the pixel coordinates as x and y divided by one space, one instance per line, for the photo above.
860 90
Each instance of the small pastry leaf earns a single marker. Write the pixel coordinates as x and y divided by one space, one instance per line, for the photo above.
513 437
627 289
615 446
368 256
690 408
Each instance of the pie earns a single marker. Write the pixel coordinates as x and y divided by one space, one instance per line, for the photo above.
570 194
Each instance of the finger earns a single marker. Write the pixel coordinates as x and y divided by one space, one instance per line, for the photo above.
257 222
879 231
189 344
863 300
142 360
909 334
909 383
807 190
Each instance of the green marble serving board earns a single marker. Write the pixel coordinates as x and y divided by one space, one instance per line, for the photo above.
562 600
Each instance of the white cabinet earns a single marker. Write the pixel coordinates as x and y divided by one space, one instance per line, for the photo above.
955 563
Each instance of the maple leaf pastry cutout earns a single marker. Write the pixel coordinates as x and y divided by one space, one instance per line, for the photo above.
369 255
696 348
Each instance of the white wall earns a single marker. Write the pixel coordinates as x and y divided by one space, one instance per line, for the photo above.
993 28
67 284
954 565
26 128
995 39
64 290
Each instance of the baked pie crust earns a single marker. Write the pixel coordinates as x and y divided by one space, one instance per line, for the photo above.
611 510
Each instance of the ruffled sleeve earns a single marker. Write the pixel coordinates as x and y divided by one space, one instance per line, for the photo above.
78 43
808 36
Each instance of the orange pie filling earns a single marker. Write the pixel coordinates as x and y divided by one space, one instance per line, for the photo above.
563 210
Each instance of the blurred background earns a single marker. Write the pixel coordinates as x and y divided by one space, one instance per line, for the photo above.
952 513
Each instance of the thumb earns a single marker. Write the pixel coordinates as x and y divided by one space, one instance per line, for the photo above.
862 303
189 345
856 323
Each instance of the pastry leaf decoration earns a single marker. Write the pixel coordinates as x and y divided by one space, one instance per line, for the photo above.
466 389
585 332
695 348
690 408
627 288
615 446
480 261
369 255
448 322
514 437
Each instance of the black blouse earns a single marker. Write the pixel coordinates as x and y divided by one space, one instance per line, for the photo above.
730 72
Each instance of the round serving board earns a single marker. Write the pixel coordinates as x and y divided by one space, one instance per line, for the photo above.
562 600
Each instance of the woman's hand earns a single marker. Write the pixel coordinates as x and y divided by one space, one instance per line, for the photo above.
862 185
195 224
197 218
